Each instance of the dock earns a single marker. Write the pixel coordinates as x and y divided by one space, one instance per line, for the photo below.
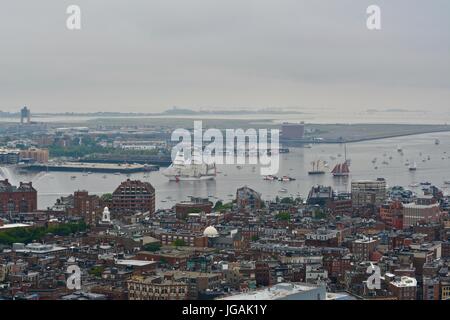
90 167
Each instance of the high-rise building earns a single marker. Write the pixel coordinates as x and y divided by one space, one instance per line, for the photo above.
247 198
86 206
134 196
368 193
25 115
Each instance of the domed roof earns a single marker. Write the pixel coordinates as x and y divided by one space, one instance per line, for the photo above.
106 209
210 232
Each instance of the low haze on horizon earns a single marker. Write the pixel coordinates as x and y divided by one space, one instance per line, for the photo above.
147 56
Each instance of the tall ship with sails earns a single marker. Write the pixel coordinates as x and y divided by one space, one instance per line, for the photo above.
316 168
193 169
342 169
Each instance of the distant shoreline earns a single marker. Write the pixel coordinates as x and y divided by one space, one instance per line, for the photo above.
317 133
399 135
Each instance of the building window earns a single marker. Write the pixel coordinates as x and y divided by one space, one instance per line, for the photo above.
11 206
23 206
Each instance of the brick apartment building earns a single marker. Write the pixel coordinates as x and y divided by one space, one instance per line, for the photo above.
363 248
156 288
247 198
86 206
392 215
404 288
34 154
182 209
15 199
134 196
423 210
262 274
368 193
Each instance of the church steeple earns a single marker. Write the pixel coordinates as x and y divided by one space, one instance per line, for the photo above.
106 216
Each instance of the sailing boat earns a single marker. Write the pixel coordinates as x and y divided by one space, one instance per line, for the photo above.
413 167
342 169
190 169
316 168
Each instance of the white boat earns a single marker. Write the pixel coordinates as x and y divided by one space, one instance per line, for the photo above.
413 167
193 169
283 190
286 179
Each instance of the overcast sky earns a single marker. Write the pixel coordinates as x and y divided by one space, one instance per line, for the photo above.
150 55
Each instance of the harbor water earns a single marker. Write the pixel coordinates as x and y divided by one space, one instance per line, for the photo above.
369 160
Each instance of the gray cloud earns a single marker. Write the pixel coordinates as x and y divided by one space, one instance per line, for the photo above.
147 55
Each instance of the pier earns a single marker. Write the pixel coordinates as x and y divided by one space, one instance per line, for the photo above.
90 167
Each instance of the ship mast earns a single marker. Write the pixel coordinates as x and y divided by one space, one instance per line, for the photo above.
345 152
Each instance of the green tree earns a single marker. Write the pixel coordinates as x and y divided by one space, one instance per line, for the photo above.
107 197
223 206
179 243
27 235
96 271
218 205
319 214
284 216
287 200
154 246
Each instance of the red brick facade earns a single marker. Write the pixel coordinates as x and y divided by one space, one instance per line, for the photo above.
134 196
17 199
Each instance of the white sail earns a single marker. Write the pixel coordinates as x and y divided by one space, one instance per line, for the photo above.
190 169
